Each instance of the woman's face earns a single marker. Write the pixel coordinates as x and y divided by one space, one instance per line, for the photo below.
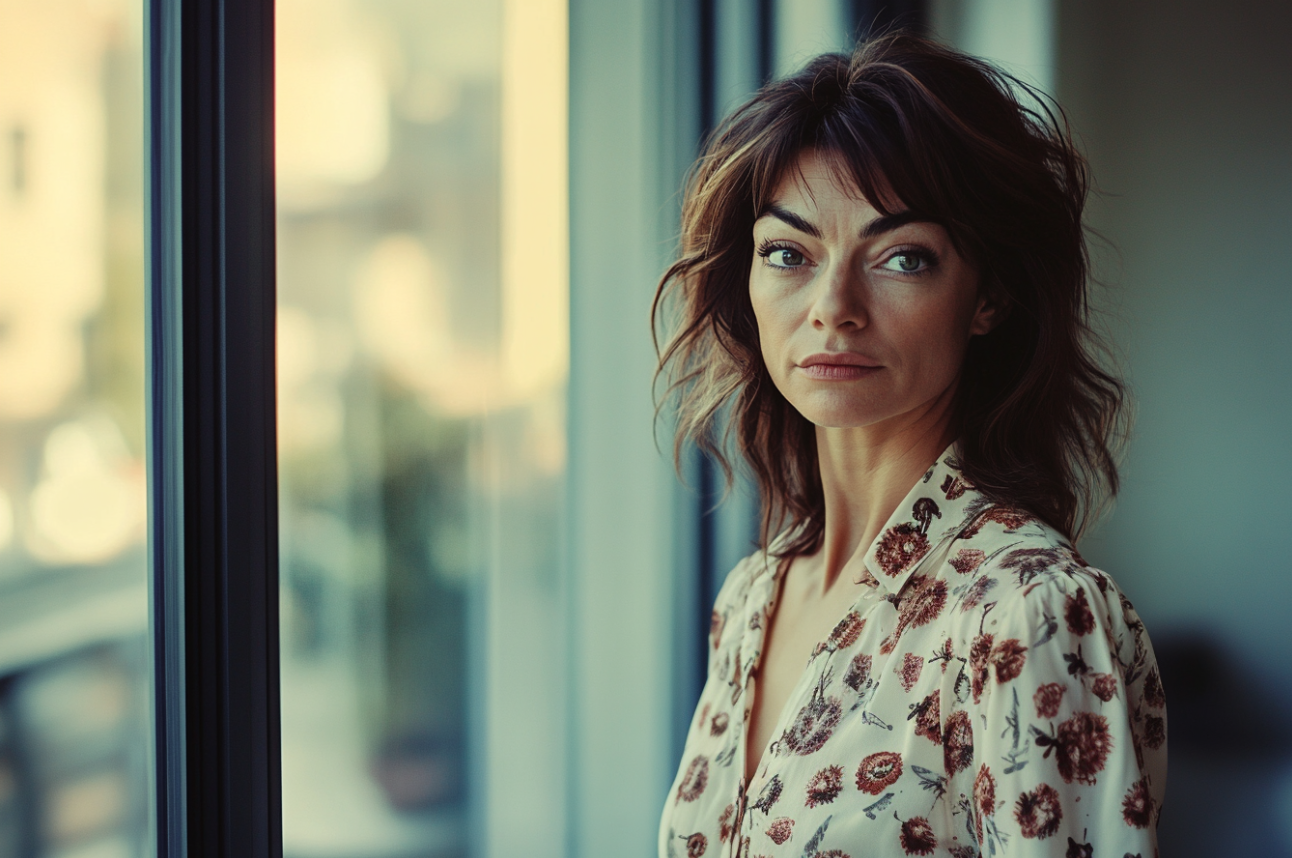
863 318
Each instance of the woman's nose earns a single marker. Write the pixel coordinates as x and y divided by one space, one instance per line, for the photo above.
839 299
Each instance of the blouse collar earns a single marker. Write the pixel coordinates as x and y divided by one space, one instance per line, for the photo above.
938 507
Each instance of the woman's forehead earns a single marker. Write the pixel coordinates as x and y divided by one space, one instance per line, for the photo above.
814 174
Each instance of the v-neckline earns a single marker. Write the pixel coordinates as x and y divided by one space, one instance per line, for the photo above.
751 683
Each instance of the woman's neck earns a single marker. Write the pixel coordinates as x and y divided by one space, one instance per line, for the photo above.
865 473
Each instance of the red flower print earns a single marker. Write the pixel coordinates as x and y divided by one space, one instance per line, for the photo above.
695 779
984 791
715 628
927 598
1047 699
1104 686
879 771
1008 658
832 853
912 667
946 655
979 658
1082 745
928 715
1137 806
1012 519
719 724
724 823
1039 812
957 742
984 798
901 547
917 837
825 786
770 794
1154 732
967 560
814 725
923 599
780 830
858 672
695 845
1077 612
845 634
1153 694
953 487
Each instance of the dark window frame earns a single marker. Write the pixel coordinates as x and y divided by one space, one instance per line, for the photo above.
213 541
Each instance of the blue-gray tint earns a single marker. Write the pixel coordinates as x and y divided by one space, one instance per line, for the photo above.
1184 109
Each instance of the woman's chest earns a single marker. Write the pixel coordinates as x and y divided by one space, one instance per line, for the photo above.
858 752
794 636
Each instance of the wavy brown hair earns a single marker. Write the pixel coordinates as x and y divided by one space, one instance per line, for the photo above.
912 124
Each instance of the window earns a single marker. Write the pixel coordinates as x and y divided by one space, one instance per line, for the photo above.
422 353
74 673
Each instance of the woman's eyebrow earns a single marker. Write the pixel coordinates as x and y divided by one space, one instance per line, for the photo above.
878 226
890 222
799 223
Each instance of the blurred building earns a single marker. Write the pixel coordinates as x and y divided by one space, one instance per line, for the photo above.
73 604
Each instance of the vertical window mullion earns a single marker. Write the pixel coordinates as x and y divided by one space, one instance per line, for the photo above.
213 478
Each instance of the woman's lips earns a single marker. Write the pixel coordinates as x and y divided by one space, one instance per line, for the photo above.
839 366
838 371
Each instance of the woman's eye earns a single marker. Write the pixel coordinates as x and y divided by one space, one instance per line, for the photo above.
783 257
907 262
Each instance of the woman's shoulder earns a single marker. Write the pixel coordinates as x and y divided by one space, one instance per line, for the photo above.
1025 595
1015 566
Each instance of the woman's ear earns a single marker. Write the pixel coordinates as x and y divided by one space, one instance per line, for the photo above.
992 308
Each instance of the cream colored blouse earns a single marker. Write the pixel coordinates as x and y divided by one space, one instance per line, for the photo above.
989 693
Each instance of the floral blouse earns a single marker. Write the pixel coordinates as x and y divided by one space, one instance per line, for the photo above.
988 694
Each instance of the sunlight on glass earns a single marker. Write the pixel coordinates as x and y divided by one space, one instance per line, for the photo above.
73 604
422 360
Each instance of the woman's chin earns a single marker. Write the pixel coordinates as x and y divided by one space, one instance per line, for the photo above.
841 418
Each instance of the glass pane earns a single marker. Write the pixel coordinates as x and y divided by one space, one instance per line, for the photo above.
422 363
74 675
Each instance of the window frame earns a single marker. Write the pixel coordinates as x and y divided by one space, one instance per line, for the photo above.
212 481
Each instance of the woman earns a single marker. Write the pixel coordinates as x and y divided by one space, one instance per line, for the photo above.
883 284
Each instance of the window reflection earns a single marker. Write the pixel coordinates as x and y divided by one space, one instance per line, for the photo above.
73 604
422 351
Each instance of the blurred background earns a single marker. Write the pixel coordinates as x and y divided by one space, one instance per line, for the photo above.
73 604
494 588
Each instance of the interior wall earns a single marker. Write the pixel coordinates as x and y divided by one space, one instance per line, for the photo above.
1186 113
1185 109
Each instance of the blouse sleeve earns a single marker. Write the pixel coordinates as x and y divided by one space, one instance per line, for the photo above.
1070 753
